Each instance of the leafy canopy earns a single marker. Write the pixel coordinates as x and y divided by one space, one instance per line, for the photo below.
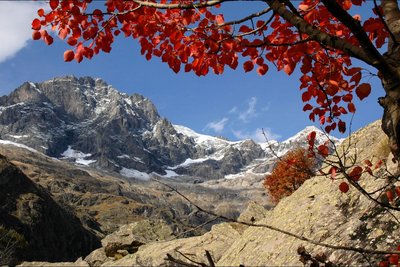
194 36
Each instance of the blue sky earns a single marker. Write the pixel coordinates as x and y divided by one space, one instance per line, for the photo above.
236 105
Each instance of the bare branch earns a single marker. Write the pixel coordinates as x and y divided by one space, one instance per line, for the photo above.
254 15
280 44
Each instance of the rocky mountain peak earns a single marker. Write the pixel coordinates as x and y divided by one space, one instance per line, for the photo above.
87 121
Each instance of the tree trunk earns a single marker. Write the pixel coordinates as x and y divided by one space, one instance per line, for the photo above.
391 83
391 105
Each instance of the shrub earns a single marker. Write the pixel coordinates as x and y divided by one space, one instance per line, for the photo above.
10 243
289 173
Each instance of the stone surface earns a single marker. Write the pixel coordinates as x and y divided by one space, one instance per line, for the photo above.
216 242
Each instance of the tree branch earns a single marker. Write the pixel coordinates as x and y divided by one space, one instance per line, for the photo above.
354 26
322 37
200 4
391 34
249 17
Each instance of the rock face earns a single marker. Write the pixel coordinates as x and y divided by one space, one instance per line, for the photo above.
88 122
52 233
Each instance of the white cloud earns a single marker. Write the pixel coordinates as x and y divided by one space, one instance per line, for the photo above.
217 126
233 110
15 26
257 135
250 112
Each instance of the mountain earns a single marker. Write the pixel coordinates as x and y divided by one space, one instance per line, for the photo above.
88 122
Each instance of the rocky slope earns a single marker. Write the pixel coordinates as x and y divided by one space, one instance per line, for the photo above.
30 211
88 122
317 211
105 202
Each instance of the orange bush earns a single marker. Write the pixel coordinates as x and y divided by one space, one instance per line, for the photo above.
289 173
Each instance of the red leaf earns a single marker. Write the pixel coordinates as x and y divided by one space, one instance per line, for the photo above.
311 136
303 7
40 12
245 29
355 174
36 35
48 39
333 172
347 98
323 150
289 68
307 107
378 164
357 2
342 126
63 33
351 107
69 55
356 78
261 70
306 96
368 162
219 19
394 259
363 90
36 24
390 195
54 4
397 190
344 187
248 66
72 41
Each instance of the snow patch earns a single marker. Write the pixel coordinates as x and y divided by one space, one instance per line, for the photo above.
78 156
170 174
6 142
131 173
124 156
85 161
128 101
18 136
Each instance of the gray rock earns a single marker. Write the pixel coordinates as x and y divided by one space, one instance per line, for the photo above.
216 242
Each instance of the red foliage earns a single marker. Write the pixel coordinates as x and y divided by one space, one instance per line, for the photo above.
199 39
289 174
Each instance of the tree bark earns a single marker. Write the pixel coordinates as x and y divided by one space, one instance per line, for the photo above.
391 84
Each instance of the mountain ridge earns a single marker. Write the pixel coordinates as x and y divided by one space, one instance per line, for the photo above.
87 121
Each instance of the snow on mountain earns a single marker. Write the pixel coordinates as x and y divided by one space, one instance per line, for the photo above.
78 156
261 163
88 122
